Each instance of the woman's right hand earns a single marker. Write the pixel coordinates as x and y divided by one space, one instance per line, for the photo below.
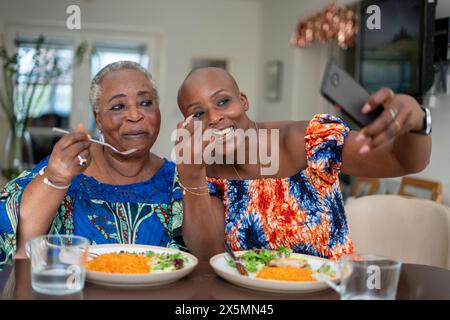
64 163
194 161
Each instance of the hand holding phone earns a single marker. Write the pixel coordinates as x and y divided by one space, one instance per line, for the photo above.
339 88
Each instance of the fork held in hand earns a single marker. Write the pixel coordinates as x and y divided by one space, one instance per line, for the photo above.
126 152
239 265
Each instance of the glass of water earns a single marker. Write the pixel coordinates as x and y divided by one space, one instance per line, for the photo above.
58 263
364 277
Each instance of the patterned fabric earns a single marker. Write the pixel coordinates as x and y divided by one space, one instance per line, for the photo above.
304 212
148 212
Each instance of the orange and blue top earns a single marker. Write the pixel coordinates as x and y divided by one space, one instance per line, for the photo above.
304 212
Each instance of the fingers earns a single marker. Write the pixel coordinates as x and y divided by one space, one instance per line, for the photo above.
69 139
75 149
379 125
381 97
394 129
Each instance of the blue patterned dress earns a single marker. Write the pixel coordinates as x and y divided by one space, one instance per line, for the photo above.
148 212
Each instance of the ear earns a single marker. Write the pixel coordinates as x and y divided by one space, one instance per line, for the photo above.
98 121
244 101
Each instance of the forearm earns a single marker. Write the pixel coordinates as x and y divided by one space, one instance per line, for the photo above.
38 207
413 151
203 225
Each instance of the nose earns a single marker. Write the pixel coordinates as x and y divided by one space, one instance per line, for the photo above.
214 118
133 114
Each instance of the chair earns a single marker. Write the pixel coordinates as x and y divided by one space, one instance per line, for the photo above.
365 186
432 187
408 229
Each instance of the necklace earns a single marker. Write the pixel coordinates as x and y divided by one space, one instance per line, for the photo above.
257 133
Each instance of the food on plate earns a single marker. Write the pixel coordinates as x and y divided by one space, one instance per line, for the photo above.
286 273
278 265
288 262
133 263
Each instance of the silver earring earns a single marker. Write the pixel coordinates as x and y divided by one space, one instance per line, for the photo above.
101 137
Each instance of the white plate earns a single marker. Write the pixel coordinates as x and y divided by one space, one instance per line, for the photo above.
141 279
230 274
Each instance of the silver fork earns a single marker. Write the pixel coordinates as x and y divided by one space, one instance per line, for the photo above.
126 152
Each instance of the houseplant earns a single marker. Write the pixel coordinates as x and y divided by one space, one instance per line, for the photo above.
22 90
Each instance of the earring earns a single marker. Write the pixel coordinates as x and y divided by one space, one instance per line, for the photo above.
101 137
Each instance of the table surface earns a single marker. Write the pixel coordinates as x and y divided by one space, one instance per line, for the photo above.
416 282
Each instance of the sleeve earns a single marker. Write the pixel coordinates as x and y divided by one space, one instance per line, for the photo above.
216 188
177 215
324 139
10 197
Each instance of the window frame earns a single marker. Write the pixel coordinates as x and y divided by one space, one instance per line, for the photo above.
91 33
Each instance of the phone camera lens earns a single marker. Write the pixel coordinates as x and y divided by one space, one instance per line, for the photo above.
335 79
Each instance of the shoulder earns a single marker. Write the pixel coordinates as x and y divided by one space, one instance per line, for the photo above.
325 128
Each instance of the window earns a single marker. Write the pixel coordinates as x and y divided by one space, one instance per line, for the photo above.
106 53
65 102
52 101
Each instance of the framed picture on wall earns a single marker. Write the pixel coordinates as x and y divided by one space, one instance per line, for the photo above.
210 62
272 77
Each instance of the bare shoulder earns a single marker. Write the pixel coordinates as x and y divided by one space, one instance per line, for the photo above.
292 141
293 134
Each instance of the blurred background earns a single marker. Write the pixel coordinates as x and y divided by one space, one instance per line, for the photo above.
271 47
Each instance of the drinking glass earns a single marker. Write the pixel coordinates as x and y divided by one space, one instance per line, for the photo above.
58 263
364 277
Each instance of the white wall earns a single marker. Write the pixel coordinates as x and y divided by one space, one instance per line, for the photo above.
302 68
195 28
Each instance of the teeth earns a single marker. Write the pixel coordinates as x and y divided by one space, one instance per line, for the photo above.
222 132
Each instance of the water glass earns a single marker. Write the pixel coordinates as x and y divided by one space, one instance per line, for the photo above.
58 263
365 277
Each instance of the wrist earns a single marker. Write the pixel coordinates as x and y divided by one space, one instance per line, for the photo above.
423 126
420 123
54 179
191 173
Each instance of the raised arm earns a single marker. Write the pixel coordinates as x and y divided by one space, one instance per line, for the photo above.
203 215
40 202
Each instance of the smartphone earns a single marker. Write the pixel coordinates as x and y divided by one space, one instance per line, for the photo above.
340 89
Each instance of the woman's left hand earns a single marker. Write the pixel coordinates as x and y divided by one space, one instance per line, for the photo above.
401 114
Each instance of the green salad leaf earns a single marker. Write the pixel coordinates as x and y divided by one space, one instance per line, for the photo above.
167 261
254 260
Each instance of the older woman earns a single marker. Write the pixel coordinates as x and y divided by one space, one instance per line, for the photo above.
89 190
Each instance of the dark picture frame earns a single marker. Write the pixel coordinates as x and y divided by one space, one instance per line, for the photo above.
272 75
210 62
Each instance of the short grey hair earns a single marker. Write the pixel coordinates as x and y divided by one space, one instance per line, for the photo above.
95 90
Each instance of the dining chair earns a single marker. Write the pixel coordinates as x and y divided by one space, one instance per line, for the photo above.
365 186
432 188
411 230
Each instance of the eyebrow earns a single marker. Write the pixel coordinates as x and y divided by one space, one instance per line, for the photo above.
122 95
212 96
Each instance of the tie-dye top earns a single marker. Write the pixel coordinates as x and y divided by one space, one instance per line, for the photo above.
147 212
304 212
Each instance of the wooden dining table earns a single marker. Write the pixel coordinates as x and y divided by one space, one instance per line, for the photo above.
416 282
